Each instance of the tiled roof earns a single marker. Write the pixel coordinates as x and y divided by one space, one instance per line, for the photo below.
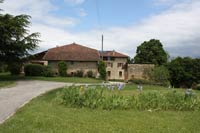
113 54
72 52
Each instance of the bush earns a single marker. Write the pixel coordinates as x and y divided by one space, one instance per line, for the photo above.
62 68
33 70
141 81
3 67
197 87
105 99
79 73
90 74
48 72
160 75
102 69
14 68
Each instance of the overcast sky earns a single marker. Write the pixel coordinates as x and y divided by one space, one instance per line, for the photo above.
124 23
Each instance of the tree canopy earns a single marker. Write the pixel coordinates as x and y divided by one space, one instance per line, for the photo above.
151 52
184 71
15 40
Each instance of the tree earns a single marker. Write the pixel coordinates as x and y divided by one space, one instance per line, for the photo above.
102 69
160 75
184 71
151 52
15 40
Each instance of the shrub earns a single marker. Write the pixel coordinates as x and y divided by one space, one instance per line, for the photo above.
90 74
79 73
160 75
48 72
140 81
102 69
3 67
104 99
197 87
62 68
33 70
14 68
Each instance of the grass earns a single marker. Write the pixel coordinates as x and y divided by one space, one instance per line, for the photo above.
43 114
6 84
8 77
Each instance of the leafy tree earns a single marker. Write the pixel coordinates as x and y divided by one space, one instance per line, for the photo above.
62 68
102 69
129 60
151 52
160 75
184 71
15 40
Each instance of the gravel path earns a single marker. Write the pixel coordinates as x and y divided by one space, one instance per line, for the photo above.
15 97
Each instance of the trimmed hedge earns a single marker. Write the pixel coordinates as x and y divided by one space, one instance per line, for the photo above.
48 72
33 70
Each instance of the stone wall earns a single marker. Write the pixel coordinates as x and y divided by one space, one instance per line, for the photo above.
74 66
139 71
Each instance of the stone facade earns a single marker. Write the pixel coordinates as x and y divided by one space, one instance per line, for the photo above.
74 66
138 71
115 68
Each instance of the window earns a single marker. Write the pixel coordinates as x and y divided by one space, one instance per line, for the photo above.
109 64
119 64
120 73
108 73
72 73
72 63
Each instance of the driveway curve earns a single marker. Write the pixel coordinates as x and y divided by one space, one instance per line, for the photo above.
15 97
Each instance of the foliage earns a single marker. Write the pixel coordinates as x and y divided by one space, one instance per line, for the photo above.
3 67
160 75
102 70
105 99
15 40
14 68
62 68
141 81
90 74
34 70
47 71
197 87
79 73
129 60
184 71
151 52
43 114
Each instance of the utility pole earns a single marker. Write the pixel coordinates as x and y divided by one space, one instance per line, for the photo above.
102 46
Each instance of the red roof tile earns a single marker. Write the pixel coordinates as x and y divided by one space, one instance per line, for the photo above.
113 54
72 52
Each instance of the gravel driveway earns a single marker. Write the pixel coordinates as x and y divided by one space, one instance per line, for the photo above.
15 97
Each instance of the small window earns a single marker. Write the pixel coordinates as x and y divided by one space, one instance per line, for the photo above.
120 73
109 64
72 63
119 64
72 73
109 73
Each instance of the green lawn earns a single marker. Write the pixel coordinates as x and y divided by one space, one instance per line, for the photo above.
8 77
45 115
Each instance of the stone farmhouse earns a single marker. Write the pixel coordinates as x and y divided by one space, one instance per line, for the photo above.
83 58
